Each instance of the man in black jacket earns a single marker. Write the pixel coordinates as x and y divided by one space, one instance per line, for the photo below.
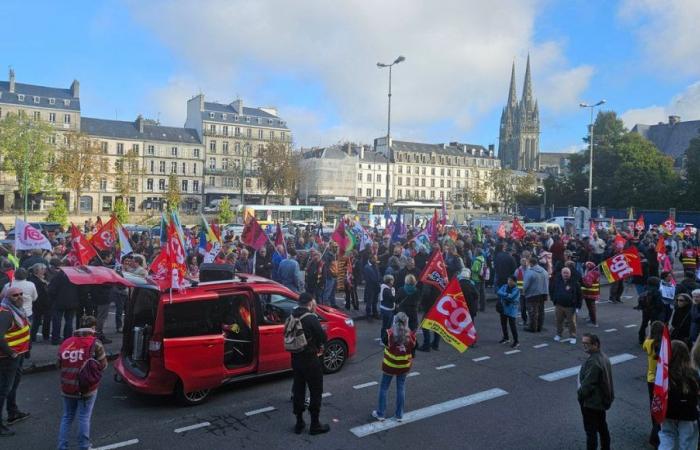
566 295
504 266
307 367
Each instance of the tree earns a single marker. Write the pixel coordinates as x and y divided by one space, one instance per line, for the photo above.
526 189
25 148
501 182
278 169
128 172
225 213
121 210
76 164
692 169
58 212
173 195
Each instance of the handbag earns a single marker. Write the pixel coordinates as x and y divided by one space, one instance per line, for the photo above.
90 373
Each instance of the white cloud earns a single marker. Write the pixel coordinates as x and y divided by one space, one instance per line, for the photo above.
686 105
458 57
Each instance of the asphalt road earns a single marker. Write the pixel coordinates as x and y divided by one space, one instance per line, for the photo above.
499 402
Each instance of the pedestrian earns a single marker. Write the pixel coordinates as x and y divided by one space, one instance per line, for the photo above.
431 339
520 275
399 343
41 308
14 347
536 287
29 294
566 296
79 398
679 324
595 393
350 282
478 272
289 273
504 265
372 285
307 367
407 300
651 346
314 275
263 264
330 274
652 307
590 290
680 427
695 315
65 298
387 304
507 306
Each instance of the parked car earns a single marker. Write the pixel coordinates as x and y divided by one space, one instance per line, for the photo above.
174 344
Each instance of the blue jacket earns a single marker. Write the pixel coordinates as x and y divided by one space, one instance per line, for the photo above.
372 282
510 299
289 274
535 282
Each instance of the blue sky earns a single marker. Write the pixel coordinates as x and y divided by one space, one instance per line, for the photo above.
316 61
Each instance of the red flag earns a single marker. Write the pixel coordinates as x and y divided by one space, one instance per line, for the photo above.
176 259
619 242
253 235
84 252
279 239
432 227
659 401
687 231
106 236
435 272
621 266
660 248
443 219
639 225
450 318
592 228
98 223
517 231
159 266
669 225
340 238
501 233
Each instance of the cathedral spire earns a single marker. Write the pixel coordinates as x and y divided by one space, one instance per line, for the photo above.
512 95
527 86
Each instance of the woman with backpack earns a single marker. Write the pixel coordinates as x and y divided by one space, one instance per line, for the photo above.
399 344
82 361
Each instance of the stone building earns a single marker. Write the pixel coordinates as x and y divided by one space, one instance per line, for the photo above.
672 138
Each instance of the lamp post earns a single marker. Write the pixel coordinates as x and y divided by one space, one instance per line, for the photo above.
388 127
590 152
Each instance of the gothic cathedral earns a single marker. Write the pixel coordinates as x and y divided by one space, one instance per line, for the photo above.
519 137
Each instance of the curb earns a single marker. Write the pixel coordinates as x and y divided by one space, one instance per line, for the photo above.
49 366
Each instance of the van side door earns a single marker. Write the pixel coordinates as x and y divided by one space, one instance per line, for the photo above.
274 307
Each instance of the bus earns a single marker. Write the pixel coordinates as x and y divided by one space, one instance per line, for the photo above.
371 214
297 214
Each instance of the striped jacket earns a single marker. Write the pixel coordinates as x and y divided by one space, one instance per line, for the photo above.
398 358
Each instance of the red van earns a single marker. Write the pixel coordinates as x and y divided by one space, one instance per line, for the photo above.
176 343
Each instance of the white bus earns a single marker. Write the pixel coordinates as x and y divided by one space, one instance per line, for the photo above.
270 214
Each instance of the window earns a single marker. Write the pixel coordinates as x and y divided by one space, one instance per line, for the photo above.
66 102
52 101
408 181
272 134
415 193
211 181
173 167
400 169
195 186
260 134
66 118
149 184
247 119
432 182
400 193
359 177
104 165
248 183
194 168
359 192
52 139
379 192
151 149
249 132
459 173
195 152
85 204
134 184
135 149
449 172
161 166
184 168
228 181
37 115
103 184
442 183
120 148
432 194
260 149
224 146
194 318
432 171
225 127
458 184
237 148
442 172
173 151
422 194
246 150
238 131
184 185
212 163
20 97
422 182
161 184
369 192
415 181
449 183
118 165
422 170
224 163
369 177
211 115
52 117
106 203
379 178
212 146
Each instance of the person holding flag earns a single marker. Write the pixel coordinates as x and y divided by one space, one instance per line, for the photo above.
652 346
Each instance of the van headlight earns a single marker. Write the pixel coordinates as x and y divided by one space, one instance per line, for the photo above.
350 322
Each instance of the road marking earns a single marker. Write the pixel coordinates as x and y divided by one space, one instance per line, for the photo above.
511 352
377 339
566 340
550 309
326 394
572 371
446 366
364 385
118 445
540 345
428 411
192 427
632 325
482 358
610 330
413 374
603 301
260 411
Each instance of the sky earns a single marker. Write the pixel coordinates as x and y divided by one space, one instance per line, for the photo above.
316 61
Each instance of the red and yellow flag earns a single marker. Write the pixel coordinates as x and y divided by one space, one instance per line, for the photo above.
435 272
449 317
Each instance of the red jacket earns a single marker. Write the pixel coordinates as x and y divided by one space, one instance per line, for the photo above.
398 358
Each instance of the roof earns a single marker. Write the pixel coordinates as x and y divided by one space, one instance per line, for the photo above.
120 129
671 138
374 157
451 149
233 116
43 92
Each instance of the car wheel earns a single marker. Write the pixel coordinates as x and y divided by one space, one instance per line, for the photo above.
334 356
191 398
118 378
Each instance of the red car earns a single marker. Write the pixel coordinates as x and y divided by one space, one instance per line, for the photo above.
177 343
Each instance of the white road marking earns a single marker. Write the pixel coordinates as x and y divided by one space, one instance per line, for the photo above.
482 358
511 352
540 345
610 330
572 371
192 427
260 411
326 394
566 340
364 385
446 366
428 411
118 445
377 339
413 374
550 309
632 325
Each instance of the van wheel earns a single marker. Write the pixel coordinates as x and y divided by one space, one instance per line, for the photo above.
118 378
334 356
191 398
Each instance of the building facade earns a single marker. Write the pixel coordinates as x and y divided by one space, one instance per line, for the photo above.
671 138
519 135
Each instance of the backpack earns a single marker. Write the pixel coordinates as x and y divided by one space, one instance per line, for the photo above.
294 337
89 375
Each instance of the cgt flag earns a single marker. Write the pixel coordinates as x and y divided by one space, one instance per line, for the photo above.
106 236
659 401
435 272
517 231
449 317
622 265
82 249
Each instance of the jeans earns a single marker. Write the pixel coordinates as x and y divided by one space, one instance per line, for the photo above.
400 394
119 301
509 321
592 312
41 319
68 315
387 319
351 297
594 423
102 314
616 290
83 408
9 367
482 296
371 302
681 434
11 401
427 339
329 292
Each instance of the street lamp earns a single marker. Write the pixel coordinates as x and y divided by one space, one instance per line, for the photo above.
590 153
388 125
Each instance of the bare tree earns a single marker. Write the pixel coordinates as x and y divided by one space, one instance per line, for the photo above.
76 163
278 170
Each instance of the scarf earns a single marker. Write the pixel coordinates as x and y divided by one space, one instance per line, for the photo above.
18 313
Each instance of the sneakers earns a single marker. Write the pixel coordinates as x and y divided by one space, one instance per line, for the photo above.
572 341
398 419
17 417
376 415
504 341
515 344
5 432
594 325
557 338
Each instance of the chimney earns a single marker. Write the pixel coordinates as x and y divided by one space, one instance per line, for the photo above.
672 120
362 151
238 106
12 80
75 89
454 144
139 123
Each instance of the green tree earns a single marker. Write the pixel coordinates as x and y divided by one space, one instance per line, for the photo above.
526 189
225 213
77 163
692 170
278 169
502 183
121 210
58 212
172 196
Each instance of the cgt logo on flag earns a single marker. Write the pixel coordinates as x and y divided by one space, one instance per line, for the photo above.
449 317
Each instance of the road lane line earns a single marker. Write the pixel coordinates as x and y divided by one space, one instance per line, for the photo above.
550 309
482 358
572 371
511 352
413 374
566 340
610 330
632 325
192 427
364 385
446 366
118 445
260 411
326 394
428 411
540 345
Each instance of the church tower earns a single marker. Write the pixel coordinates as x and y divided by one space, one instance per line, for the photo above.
519 135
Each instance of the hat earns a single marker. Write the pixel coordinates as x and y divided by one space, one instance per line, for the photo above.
13 290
